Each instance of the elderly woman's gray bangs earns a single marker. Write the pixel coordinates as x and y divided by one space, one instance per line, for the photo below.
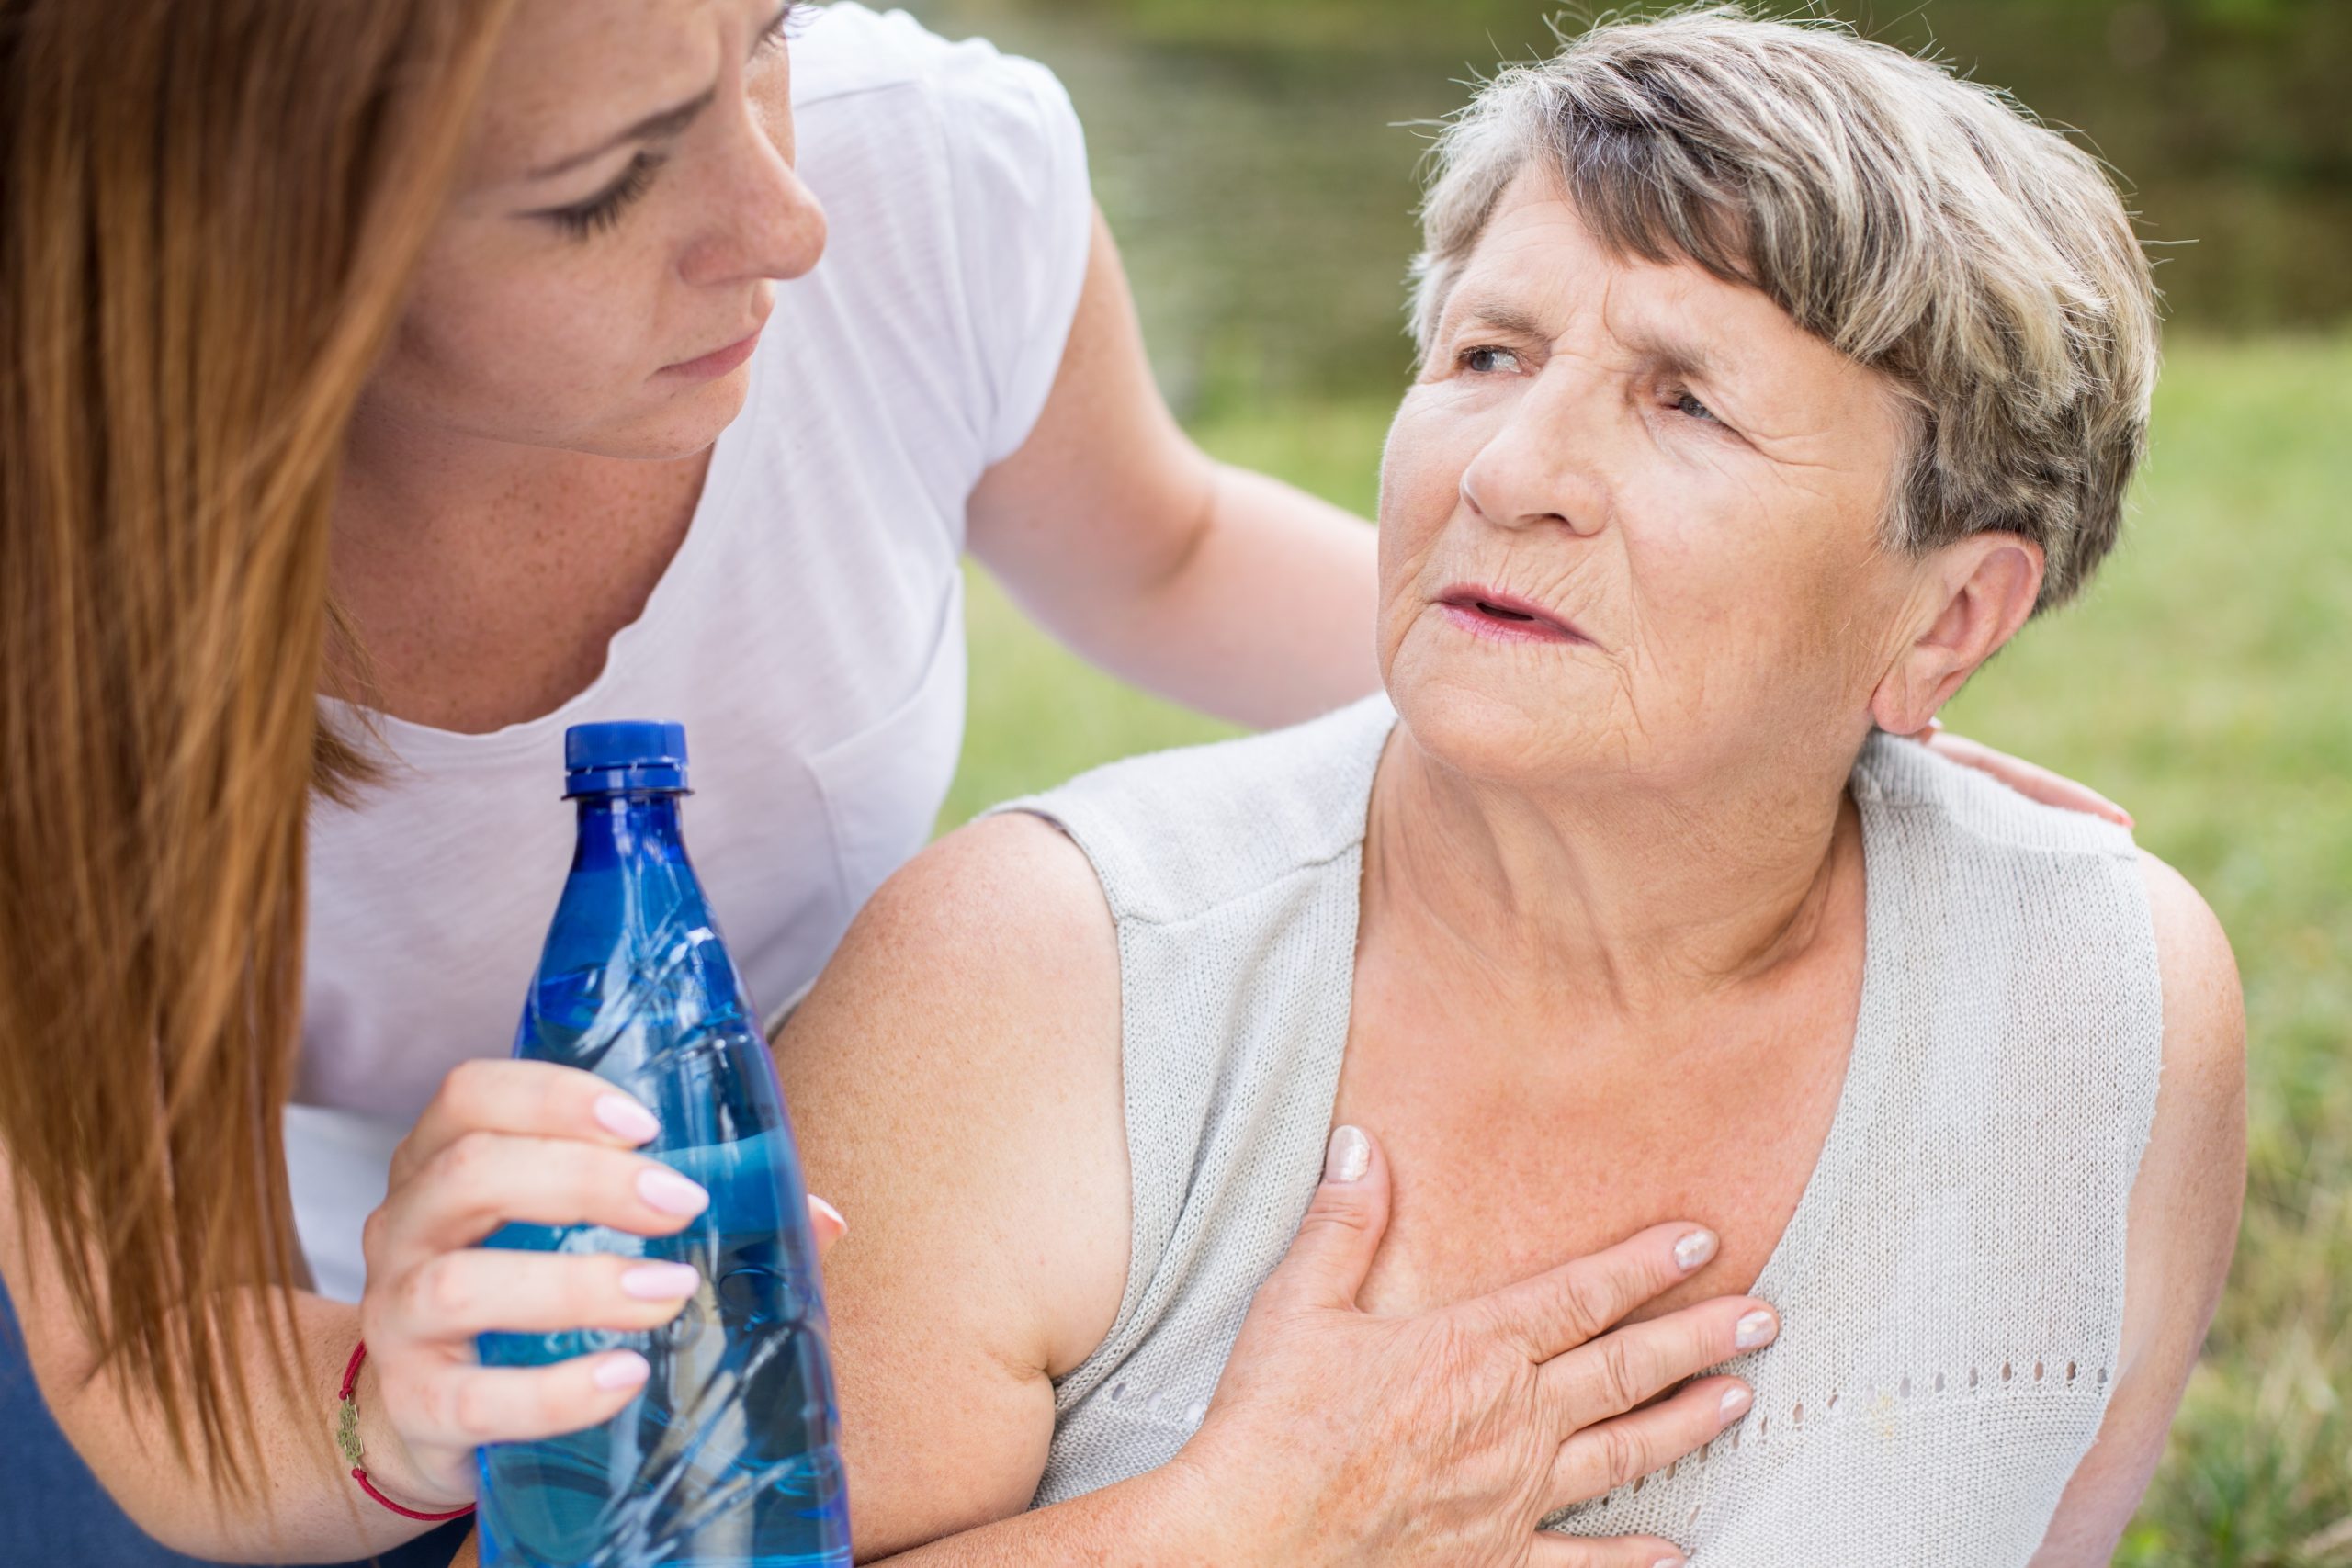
1922 224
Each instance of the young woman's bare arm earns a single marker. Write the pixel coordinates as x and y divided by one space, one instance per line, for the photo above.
1222 589
318 1513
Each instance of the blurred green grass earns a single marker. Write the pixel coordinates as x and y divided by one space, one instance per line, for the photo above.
2205 681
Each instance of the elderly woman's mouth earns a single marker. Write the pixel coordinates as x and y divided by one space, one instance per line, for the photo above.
1482 611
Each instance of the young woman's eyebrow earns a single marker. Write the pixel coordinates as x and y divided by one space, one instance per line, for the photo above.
661 123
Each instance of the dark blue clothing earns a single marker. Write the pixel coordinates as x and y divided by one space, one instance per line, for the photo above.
53 1512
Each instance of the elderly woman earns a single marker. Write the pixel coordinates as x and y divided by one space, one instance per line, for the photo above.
1771 380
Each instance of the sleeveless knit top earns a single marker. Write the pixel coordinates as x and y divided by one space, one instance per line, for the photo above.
1950 1284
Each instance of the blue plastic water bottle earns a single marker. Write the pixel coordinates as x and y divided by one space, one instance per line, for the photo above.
728 1454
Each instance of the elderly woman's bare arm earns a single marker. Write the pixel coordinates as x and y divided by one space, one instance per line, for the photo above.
973 1128
2183 1220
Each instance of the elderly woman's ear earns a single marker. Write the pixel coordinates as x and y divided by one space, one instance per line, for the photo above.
1971 598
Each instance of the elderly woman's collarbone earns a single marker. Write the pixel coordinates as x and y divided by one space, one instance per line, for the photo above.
1509 1162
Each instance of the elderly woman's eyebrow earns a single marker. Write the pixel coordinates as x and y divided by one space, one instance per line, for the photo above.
652 128
1659 350
1672 355
1501 316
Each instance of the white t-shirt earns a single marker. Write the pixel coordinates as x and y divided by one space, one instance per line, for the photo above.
809 632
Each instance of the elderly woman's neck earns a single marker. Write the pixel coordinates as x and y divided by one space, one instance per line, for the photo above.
1630 893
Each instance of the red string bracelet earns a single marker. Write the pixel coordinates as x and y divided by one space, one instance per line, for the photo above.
346 1438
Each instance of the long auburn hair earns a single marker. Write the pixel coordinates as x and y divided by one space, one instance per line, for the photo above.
209 215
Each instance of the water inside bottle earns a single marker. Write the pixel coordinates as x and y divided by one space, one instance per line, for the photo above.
725 1457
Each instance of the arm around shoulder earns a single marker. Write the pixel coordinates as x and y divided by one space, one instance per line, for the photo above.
954 1084
2183 1220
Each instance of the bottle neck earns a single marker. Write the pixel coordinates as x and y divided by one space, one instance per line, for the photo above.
633 962
632 830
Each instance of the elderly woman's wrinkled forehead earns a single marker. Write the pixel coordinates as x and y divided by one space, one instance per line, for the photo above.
1539 274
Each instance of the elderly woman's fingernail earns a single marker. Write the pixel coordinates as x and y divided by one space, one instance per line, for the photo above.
1757 1328
625 1118
1672 1562
1694 1249
672 1194
1735 1403
1347 1157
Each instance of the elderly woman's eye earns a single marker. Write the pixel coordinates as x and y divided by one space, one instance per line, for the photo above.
1685 403
1485 360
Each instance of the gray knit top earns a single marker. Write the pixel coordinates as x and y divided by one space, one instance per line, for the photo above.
1950 1284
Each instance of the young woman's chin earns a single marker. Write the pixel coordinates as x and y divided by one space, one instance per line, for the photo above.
678 420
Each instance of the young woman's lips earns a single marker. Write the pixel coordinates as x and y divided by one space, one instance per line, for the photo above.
1501 617
717 362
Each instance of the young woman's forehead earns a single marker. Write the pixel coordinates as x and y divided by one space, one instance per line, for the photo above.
572 74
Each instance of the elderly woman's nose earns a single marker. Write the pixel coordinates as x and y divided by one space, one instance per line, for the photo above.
1533 472
765 222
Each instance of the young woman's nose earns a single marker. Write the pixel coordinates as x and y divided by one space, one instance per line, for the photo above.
764 221
1538 466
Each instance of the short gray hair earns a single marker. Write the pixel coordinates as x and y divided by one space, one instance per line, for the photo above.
1924 225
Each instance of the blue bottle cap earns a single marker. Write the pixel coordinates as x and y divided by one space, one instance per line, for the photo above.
629 754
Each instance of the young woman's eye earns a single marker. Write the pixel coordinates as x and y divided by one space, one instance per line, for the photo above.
1487 360
775 31
1684 403
600 212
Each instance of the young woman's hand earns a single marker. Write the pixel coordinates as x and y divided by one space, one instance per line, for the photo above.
2028 779
537 1143
1344 1437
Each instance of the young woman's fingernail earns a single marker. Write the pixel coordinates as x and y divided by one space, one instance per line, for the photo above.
840 1224
661 1282
1757 1328
622 1369
1347 1157
1694 1249
672 1193
625 1118
1735 1403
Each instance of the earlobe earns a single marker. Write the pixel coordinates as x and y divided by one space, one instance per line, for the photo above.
1984 588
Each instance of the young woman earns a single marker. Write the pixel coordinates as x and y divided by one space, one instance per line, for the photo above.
388 386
